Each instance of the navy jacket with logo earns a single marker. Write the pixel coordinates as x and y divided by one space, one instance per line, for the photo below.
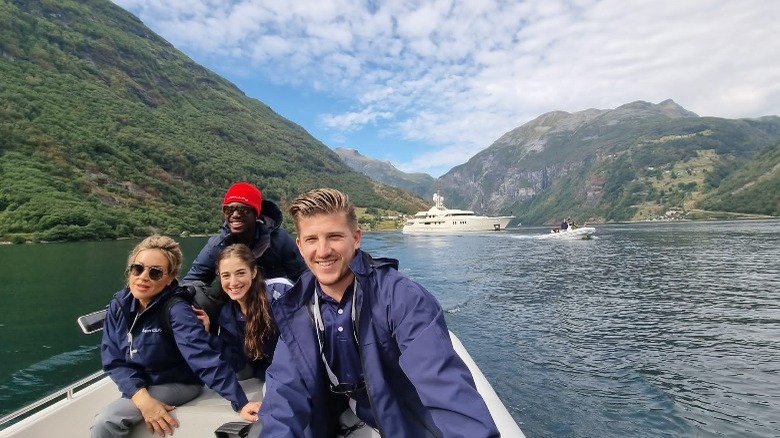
417 384
149 357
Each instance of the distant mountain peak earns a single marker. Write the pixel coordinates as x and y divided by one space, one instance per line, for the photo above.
668 108
347 151
384 172
352 154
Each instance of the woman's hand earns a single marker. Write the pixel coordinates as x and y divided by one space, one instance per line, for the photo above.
155 413
203 317
249 411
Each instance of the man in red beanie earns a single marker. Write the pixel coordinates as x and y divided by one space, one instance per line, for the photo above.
251 220
238 197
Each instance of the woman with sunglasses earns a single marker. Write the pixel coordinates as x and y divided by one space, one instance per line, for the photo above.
247 333
154 372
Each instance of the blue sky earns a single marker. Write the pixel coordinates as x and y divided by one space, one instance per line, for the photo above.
428 84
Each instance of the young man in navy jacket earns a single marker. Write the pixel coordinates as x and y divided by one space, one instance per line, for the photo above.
356 334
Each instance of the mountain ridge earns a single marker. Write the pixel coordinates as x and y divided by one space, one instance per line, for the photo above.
634 162
384 171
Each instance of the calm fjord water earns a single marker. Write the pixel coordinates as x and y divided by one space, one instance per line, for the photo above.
648 330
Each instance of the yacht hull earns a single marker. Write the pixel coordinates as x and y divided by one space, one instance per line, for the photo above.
457 225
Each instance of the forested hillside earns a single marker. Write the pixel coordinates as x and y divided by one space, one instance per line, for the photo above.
106 130
752 188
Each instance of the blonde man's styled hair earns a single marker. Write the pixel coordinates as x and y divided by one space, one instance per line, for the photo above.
323 201
169 247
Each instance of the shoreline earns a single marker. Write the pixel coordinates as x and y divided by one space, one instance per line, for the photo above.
736 217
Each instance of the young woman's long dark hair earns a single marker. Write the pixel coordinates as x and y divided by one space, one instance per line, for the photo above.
259 323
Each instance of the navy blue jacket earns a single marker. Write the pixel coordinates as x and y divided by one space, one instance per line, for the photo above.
152 358
273 247
417 384
232 331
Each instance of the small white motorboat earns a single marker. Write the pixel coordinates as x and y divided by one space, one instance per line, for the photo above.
570 233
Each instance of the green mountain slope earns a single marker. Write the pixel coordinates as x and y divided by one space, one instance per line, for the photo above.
636 162
106 130
753 188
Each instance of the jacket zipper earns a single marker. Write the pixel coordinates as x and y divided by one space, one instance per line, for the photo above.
362 359
130 335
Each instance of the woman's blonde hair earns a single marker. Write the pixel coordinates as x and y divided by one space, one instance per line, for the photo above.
169 247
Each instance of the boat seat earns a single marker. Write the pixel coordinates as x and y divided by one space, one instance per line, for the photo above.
202 416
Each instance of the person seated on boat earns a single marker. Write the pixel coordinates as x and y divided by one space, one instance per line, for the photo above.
255 222
247 333
564 225
154 370
359 338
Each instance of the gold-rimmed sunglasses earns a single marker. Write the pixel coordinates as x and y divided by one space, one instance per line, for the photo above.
155 273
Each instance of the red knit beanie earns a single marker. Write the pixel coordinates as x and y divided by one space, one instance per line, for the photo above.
244 193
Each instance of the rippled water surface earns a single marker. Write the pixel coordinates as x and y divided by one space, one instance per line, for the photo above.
667 329
647 330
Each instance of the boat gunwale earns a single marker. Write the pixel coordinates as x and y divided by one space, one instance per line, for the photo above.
68 392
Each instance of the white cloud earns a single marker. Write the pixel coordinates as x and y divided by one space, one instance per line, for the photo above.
437 162
461 73
352 121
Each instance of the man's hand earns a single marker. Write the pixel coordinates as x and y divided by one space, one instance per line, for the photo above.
155 413
249 411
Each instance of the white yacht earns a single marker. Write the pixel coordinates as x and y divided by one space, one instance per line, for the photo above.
440 219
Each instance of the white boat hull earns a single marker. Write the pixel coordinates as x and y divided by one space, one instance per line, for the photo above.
457 224
72 417
440 219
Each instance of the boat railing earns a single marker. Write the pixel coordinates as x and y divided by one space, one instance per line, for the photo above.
66 393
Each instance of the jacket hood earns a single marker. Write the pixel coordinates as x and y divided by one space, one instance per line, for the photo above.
362 265
271 214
